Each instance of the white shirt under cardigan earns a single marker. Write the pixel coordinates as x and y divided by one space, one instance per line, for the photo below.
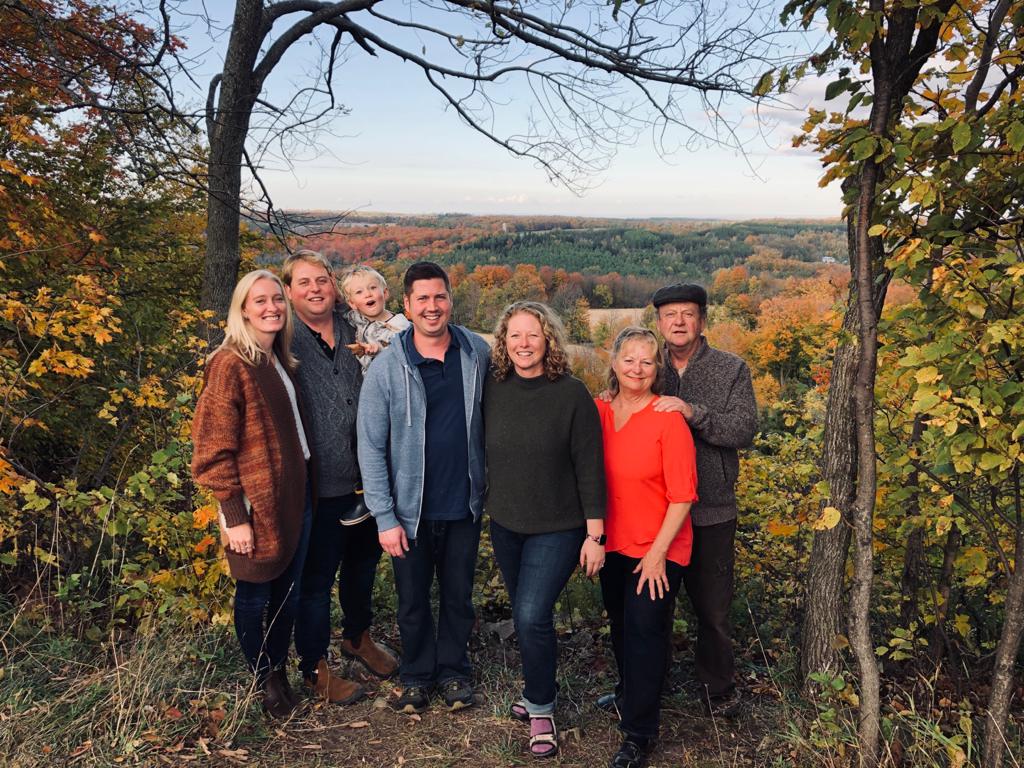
290 389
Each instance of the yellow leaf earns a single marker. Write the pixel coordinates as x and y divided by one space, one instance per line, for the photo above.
829 519
962 624
779 528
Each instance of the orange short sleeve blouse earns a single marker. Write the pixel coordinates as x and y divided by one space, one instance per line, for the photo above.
649 463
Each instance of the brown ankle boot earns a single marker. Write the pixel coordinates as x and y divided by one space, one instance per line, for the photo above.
377 659
329 687
276 701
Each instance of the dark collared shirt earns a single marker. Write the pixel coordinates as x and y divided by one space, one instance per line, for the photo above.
324 346
446 448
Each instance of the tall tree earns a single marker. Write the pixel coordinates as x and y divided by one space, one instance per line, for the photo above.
892 43
599 71
945 113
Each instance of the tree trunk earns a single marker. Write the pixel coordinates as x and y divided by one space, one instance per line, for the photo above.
938 643
227 127
823 597
862 511
913 553
1003 678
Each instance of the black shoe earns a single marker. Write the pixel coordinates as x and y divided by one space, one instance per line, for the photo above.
413 700
632 754
457 694
725 705
609 702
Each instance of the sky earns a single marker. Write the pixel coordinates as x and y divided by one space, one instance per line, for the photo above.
399 148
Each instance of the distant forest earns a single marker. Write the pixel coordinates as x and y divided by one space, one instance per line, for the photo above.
653 251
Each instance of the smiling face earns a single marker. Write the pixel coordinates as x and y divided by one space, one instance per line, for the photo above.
681 324
526 345
429 307
366 296
311 292
636 366
264 311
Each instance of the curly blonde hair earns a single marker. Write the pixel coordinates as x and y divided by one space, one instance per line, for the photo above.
556 361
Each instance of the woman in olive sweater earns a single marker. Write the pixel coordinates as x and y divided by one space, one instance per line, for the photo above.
251 452
546 492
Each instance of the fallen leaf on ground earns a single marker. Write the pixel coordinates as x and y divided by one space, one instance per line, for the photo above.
358 724
81 749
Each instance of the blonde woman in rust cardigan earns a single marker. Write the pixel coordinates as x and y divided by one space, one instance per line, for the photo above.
251 452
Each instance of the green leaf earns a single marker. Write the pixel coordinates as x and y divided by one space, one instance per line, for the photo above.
961 136
877 229
864 148
1015 135
990 461
764 84
836 88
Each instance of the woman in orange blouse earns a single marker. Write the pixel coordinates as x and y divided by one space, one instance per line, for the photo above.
651 478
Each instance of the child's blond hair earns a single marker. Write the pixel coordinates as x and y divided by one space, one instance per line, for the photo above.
360 269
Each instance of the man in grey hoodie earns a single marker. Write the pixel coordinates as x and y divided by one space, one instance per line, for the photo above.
421 454
713 391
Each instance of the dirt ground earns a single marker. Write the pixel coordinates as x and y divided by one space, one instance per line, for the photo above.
370 733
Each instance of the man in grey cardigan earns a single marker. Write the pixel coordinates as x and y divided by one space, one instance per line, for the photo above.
713 391
330 378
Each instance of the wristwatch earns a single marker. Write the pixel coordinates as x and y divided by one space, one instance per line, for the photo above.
598 539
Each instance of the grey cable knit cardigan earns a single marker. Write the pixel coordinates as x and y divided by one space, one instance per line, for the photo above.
717 386
330 391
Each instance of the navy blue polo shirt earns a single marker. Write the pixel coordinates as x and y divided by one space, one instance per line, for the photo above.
446 450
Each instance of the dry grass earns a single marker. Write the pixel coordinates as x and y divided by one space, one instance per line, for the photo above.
178 697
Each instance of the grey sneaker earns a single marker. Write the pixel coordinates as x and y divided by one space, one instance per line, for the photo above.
413 700
457 694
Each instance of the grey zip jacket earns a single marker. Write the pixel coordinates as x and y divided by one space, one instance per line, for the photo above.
391 430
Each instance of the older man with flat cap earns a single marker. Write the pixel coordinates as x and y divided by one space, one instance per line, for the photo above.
713 391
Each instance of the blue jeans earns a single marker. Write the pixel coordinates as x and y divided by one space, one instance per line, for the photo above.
536 568
447 549
351 554
265 613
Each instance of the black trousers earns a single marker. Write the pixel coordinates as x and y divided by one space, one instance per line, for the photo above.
445 550
709 583
639 626
348 555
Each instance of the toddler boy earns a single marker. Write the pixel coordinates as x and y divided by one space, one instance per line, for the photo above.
366 292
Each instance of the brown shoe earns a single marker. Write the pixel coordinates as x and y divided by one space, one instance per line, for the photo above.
276 700
329 687
377 659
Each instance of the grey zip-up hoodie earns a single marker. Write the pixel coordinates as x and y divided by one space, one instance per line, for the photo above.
391 428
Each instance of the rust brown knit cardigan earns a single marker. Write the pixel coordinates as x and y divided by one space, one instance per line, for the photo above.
246 445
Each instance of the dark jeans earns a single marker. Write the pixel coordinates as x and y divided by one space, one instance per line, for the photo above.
446 549
638 629
357 551
536 568
709 583
265 613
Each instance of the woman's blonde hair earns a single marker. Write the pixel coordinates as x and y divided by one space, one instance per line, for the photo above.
636 333
556 361
238 336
